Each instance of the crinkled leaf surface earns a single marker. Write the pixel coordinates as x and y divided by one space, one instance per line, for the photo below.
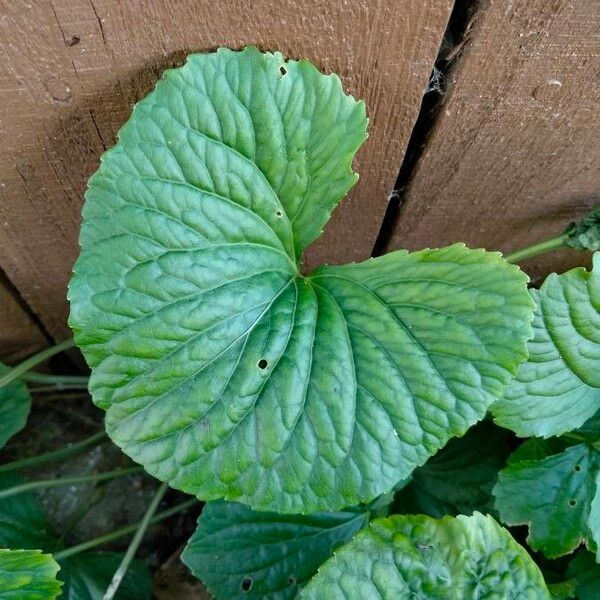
420 557
28 575
239 553
86 576
586 573
558 388
226 372
15 403
556 496
460 477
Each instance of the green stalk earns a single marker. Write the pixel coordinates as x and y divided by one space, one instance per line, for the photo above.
33 361
49 483
135 544
553 243
123 531
66 387
55 455
57 380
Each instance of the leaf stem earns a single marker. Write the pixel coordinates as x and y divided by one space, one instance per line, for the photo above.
54 455
57 380
135 543
66 387
553 243
123 531
35 360
61 481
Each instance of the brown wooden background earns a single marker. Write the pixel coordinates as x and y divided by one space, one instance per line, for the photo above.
505 153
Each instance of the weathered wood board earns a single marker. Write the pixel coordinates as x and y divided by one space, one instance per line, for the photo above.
19 335
72 69
515 152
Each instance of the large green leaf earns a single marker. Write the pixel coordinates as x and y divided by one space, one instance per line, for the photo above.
557 496
239 553
460 477
87 576
15 403
28 575
420 557
226 372
586 573
558 388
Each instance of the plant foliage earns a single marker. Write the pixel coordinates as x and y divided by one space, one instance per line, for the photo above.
420 557
15 403
558 388
28 575
225 371
85 576
240 553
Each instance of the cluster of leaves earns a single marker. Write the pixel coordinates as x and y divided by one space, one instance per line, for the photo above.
28 569
286 398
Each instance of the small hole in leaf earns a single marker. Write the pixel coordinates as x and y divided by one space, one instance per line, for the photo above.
282 70
572 502
278 213
292 580
246 584
263 363
577 468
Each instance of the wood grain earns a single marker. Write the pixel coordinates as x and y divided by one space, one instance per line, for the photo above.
72 69
19 335
515 153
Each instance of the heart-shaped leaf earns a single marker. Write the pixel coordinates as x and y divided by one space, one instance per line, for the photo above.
28 575
557 496
239 553
558 388
226 372
15 404
420 557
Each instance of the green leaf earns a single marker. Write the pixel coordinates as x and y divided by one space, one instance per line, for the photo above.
556 496
15 403
420 557
87 576
585 234
558 388
223 370
562 590
586 572
23 523
590 430
460 477
28 575
239 553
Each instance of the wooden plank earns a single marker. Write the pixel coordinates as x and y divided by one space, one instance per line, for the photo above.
515 153
19 335
72 69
